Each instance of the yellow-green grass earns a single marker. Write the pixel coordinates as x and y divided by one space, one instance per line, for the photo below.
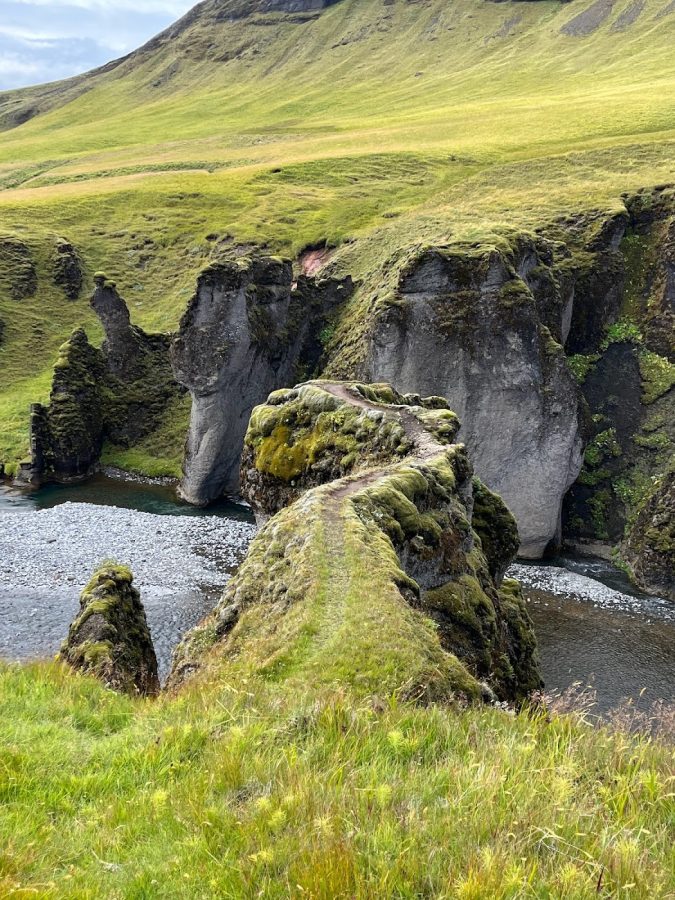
241 788
391 125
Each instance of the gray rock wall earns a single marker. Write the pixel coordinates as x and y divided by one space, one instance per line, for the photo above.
466 326
243 335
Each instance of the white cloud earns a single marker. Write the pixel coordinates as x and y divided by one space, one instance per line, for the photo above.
12 66
171 7
50 39
44 40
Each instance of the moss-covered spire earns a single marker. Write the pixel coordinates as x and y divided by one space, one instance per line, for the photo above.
110 638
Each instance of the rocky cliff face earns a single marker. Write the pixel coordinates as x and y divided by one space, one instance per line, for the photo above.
139 380
246 331
485 329
624 359
542 343
67 435
116 393
110 638
649 549
388 544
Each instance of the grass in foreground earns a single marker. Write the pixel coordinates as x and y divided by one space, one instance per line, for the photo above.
239 788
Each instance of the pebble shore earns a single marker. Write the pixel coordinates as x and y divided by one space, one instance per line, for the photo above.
180 565
572 585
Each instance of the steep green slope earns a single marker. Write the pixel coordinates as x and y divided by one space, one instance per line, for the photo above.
385 123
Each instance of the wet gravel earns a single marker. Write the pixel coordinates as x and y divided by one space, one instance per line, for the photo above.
575 585
180 565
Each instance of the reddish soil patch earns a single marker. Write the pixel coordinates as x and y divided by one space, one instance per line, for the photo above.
310 261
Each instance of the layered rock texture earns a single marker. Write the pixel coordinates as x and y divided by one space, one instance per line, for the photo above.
374 575
485 328
117 393
247 330
110 638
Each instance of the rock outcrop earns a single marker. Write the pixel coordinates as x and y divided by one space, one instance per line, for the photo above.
117 393
485 328
376 578
246 331
122 345
623 346
67 268
306 436
67 435
649 549
18 273
110 638
139 377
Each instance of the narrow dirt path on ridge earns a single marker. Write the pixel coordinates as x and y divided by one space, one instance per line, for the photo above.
425 446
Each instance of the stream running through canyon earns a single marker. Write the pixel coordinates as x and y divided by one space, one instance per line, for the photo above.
593 627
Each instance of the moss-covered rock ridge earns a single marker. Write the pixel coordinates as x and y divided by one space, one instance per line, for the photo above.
369 572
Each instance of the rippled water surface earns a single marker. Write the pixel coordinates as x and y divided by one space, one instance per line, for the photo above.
593 627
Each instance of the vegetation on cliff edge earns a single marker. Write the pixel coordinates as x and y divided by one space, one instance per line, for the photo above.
369 127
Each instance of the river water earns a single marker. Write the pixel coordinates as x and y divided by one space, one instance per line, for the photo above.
593 627
51 541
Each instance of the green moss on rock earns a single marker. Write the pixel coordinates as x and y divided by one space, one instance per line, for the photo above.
376 580
110 638
18 272
627 376
67 435
120 394
495 526
67 268
581 364
649 549
658 376
309 436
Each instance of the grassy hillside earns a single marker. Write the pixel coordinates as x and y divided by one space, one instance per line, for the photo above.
371 127
387 124
244 788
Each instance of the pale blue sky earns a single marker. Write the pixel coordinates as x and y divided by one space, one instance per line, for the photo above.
44 40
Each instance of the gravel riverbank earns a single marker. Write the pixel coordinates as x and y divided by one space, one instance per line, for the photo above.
574 585
180 564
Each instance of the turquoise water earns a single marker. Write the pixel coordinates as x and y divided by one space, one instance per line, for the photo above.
101 490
